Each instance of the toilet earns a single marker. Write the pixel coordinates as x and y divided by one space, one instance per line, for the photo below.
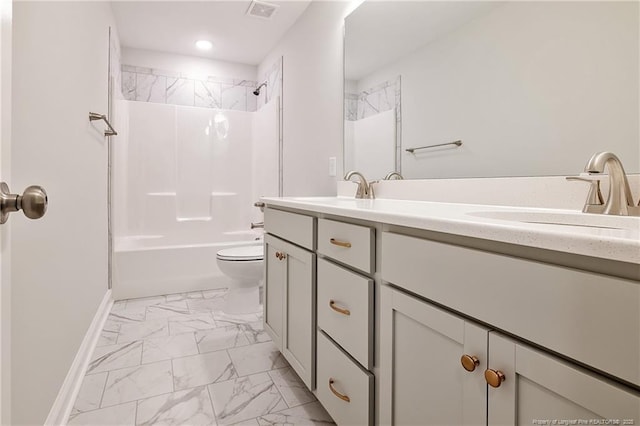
244 265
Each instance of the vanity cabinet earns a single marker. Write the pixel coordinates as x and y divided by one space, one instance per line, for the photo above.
289 308
392 325
588 317
591 318
538 387
436 366
422 380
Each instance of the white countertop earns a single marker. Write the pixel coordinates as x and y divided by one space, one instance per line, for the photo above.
608 237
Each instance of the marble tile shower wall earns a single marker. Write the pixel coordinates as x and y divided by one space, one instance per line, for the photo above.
115 69
167 87
379 98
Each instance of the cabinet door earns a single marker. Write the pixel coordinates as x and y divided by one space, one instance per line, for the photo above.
274 287
290 305
538 387
299 340
422 380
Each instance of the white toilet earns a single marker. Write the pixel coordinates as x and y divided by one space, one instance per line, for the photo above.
245 266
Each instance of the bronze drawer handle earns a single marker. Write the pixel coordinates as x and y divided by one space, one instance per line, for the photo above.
336 393
340 243
343 311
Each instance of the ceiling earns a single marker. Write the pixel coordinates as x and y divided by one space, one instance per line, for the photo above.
174 27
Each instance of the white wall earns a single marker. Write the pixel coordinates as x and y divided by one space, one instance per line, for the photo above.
265 141
5 237
188 66
513 85
312 53
59 275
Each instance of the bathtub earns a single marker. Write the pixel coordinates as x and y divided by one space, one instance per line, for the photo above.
153 265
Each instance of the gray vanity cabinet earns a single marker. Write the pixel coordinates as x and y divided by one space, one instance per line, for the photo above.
290 289
539 387
422 379
422 345
415 328
275 282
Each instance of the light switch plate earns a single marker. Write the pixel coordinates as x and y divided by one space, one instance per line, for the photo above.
332 166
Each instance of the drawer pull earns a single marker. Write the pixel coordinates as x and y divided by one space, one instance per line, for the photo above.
494 377
343 311
469 362
340 243
336 393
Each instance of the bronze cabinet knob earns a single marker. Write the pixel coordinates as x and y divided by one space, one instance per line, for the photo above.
469 362
494 377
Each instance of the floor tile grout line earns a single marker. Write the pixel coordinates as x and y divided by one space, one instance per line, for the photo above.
278 390
213 408
141 352
173 377
104 390
134 366
133 400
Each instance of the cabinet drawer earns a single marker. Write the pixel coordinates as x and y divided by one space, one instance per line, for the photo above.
293 227
347 243
579 314
345 310
344 388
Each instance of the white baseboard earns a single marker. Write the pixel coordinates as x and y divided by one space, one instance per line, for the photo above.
62 406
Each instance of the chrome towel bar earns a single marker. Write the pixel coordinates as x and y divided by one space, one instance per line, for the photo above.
95 116
411 150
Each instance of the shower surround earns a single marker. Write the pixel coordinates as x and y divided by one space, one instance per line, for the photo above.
167 87
185 180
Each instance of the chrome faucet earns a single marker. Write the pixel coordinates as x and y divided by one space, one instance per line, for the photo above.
364 189
393 175
620 200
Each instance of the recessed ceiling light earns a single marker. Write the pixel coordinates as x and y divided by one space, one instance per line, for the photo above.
204 44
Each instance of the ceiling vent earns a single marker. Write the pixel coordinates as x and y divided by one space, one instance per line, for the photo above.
261 9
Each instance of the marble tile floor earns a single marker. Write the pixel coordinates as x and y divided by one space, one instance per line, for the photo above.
179 360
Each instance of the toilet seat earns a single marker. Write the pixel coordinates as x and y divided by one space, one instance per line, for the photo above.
241 254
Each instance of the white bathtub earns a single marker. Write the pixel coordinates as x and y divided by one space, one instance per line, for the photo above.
155 265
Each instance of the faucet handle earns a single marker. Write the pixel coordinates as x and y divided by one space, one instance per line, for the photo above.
594 197
372 194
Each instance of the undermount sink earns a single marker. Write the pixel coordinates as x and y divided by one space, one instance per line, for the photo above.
631 223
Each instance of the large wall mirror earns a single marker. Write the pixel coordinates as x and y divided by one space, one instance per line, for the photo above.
529 88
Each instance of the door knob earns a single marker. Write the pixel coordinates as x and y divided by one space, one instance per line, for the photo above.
32 202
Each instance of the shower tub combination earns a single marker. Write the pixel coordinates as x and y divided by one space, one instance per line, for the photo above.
185 180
